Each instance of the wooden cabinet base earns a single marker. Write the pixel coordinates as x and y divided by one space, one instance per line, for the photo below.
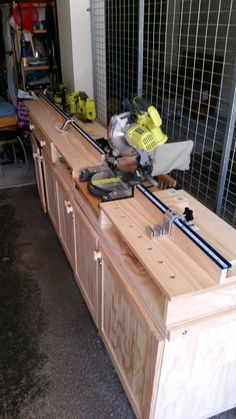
134 344
166 319
198 375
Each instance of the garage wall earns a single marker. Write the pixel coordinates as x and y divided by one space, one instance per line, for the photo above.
64 29
74 20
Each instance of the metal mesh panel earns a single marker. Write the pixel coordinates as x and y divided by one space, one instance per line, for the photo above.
229 202
121 52
99 58
189 49
188 59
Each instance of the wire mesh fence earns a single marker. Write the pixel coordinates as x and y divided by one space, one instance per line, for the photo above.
122 52
189 51
99 58
228 210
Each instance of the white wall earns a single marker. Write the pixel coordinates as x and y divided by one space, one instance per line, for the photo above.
74 19
64 28
82 45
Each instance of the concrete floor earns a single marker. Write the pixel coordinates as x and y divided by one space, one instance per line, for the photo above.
53 364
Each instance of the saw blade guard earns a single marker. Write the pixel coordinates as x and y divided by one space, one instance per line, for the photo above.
116 135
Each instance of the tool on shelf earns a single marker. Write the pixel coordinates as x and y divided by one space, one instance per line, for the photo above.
24 58
86 107
60 95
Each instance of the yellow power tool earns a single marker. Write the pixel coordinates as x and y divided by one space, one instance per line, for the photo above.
86 107
79 103
146 134
60 95
136 132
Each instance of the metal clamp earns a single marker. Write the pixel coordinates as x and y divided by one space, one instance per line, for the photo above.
64 125
164 229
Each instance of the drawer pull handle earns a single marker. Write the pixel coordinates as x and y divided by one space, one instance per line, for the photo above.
66 203
68 207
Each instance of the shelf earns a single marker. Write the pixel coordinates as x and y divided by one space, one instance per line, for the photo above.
35 67
39 31
39 34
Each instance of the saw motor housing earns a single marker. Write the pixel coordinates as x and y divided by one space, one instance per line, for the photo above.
146 134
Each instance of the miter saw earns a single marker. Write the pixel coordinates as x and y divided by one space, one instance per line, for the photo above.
136 132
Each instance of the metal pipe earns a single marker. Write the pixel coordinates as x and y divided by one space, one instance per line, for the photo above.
65 123
92 15
140 48
228 140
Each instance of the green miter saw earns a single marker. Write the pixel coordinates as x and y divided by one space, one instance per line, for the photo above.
136 132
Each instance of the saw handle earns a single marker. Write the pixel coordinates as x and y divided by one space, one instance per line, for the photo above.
154 116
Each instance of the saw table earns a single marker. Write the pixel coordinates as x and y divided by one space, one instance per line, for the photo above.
165 306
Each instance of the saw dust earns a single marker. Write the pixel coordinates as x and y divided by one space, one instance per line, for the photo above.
21 324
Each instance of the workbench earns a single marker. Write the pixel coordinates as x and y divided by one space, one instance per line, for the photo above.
165 308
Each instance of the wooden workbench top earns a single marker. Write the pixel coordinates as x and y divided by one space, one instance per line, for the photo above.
172 266
211 227
77 152
177 265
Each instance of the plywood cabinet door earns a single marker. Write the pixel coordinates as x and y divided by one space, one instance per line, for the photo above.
134 344
66 220
51 191
38 171
86 266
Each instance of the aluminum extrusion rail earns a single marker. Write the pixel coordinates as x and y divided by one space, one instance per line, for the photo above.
212 253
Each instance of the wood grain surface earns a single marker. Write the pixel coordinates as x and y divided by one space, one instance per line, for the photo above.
211 227
174 271
77 152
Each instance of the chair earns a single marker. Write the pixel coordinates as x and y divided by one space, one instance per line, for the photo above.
9 134
11 137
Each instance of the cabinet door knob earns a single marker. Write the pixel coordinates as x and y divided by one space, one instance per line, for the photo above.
31 127
70 209
97 255
42 143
